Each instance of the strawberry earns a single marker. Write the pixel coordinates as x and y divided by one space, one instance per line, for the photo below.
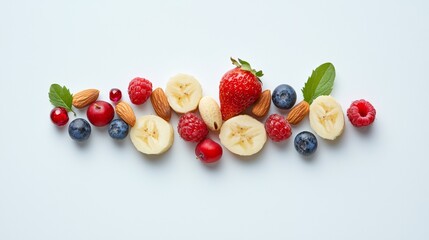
239 88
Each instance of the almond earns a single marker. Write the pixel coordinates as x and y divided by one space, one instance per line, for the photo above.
126 113
84 98
298 113
160 104
210 113
263 104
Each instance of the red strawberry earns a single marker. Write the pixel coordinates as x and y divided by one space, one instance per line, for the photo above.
239 88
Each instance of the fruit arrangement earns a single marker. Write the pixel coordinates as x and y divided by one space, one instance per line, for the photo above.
238 119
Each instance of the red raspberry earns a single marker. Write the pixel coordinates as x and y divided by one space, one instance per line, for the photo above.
277 127
139 90
192 128
361 113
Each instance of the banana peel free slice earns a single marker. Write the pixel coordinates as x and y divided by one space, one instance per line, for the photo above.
326 117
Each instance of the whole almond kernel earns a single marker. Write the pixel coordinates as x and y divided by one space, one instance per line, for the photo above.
298 113
126 113
160 104
210 113
263 104
85 98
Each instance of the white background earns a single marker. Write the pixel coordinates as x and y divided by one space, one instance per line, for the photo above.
370 184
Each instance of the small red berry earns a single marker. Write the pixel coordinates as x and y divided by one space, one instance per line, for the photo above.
239 88
59 116
361 113
192 128
115 95
277 127
139 90
208 151
100 113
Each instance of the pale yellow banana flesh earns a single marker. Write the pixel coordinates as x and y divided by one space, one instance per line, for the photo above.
152 135
243 135
326 117
183 93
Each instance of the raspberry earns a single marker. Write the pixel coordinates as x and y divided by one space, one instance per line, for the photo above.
361 113
277 127
192 128
139 90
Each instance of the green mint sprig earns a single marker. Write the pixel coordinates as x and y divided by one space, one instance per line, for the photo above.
319 83
61 97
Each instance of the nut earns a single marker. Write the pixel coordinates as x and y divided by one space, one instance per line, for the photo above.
160 104
84 98
298 113
210 113
126 113
263 104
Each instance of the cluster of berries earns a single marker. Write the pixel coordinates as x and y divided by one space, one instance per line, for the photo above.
239 132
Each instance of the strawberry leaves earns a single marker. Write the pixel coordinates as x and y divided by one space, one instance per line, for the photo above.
246 66
319 83
61 97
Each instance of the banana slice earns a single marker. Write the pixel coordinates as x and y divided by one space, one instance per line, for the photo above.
183 93
326 117
152 135
243 135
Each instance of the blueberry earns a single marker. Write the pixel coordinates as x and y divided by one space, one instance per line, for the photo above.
118 129
79 129
284 96
305 143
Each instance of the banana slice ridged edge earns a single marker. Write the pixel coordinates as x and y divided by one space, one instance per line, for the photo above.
243 135
325 110
164 134
186 87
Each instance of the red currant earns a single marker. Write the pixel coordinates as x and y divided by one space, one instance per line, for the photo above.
59 116
208 151
115 95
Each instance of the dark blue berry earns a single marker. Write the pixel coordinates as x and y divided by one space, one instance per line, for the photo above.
79 129
284 96
305 143
118 129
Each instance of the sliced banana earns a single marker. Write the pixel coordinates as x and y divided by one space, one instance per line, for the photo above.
152 135
326 117
183 93
210 113
243 135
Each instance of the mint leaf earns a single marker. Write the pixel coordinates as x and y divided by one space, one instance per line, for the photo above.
61 97
319 83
